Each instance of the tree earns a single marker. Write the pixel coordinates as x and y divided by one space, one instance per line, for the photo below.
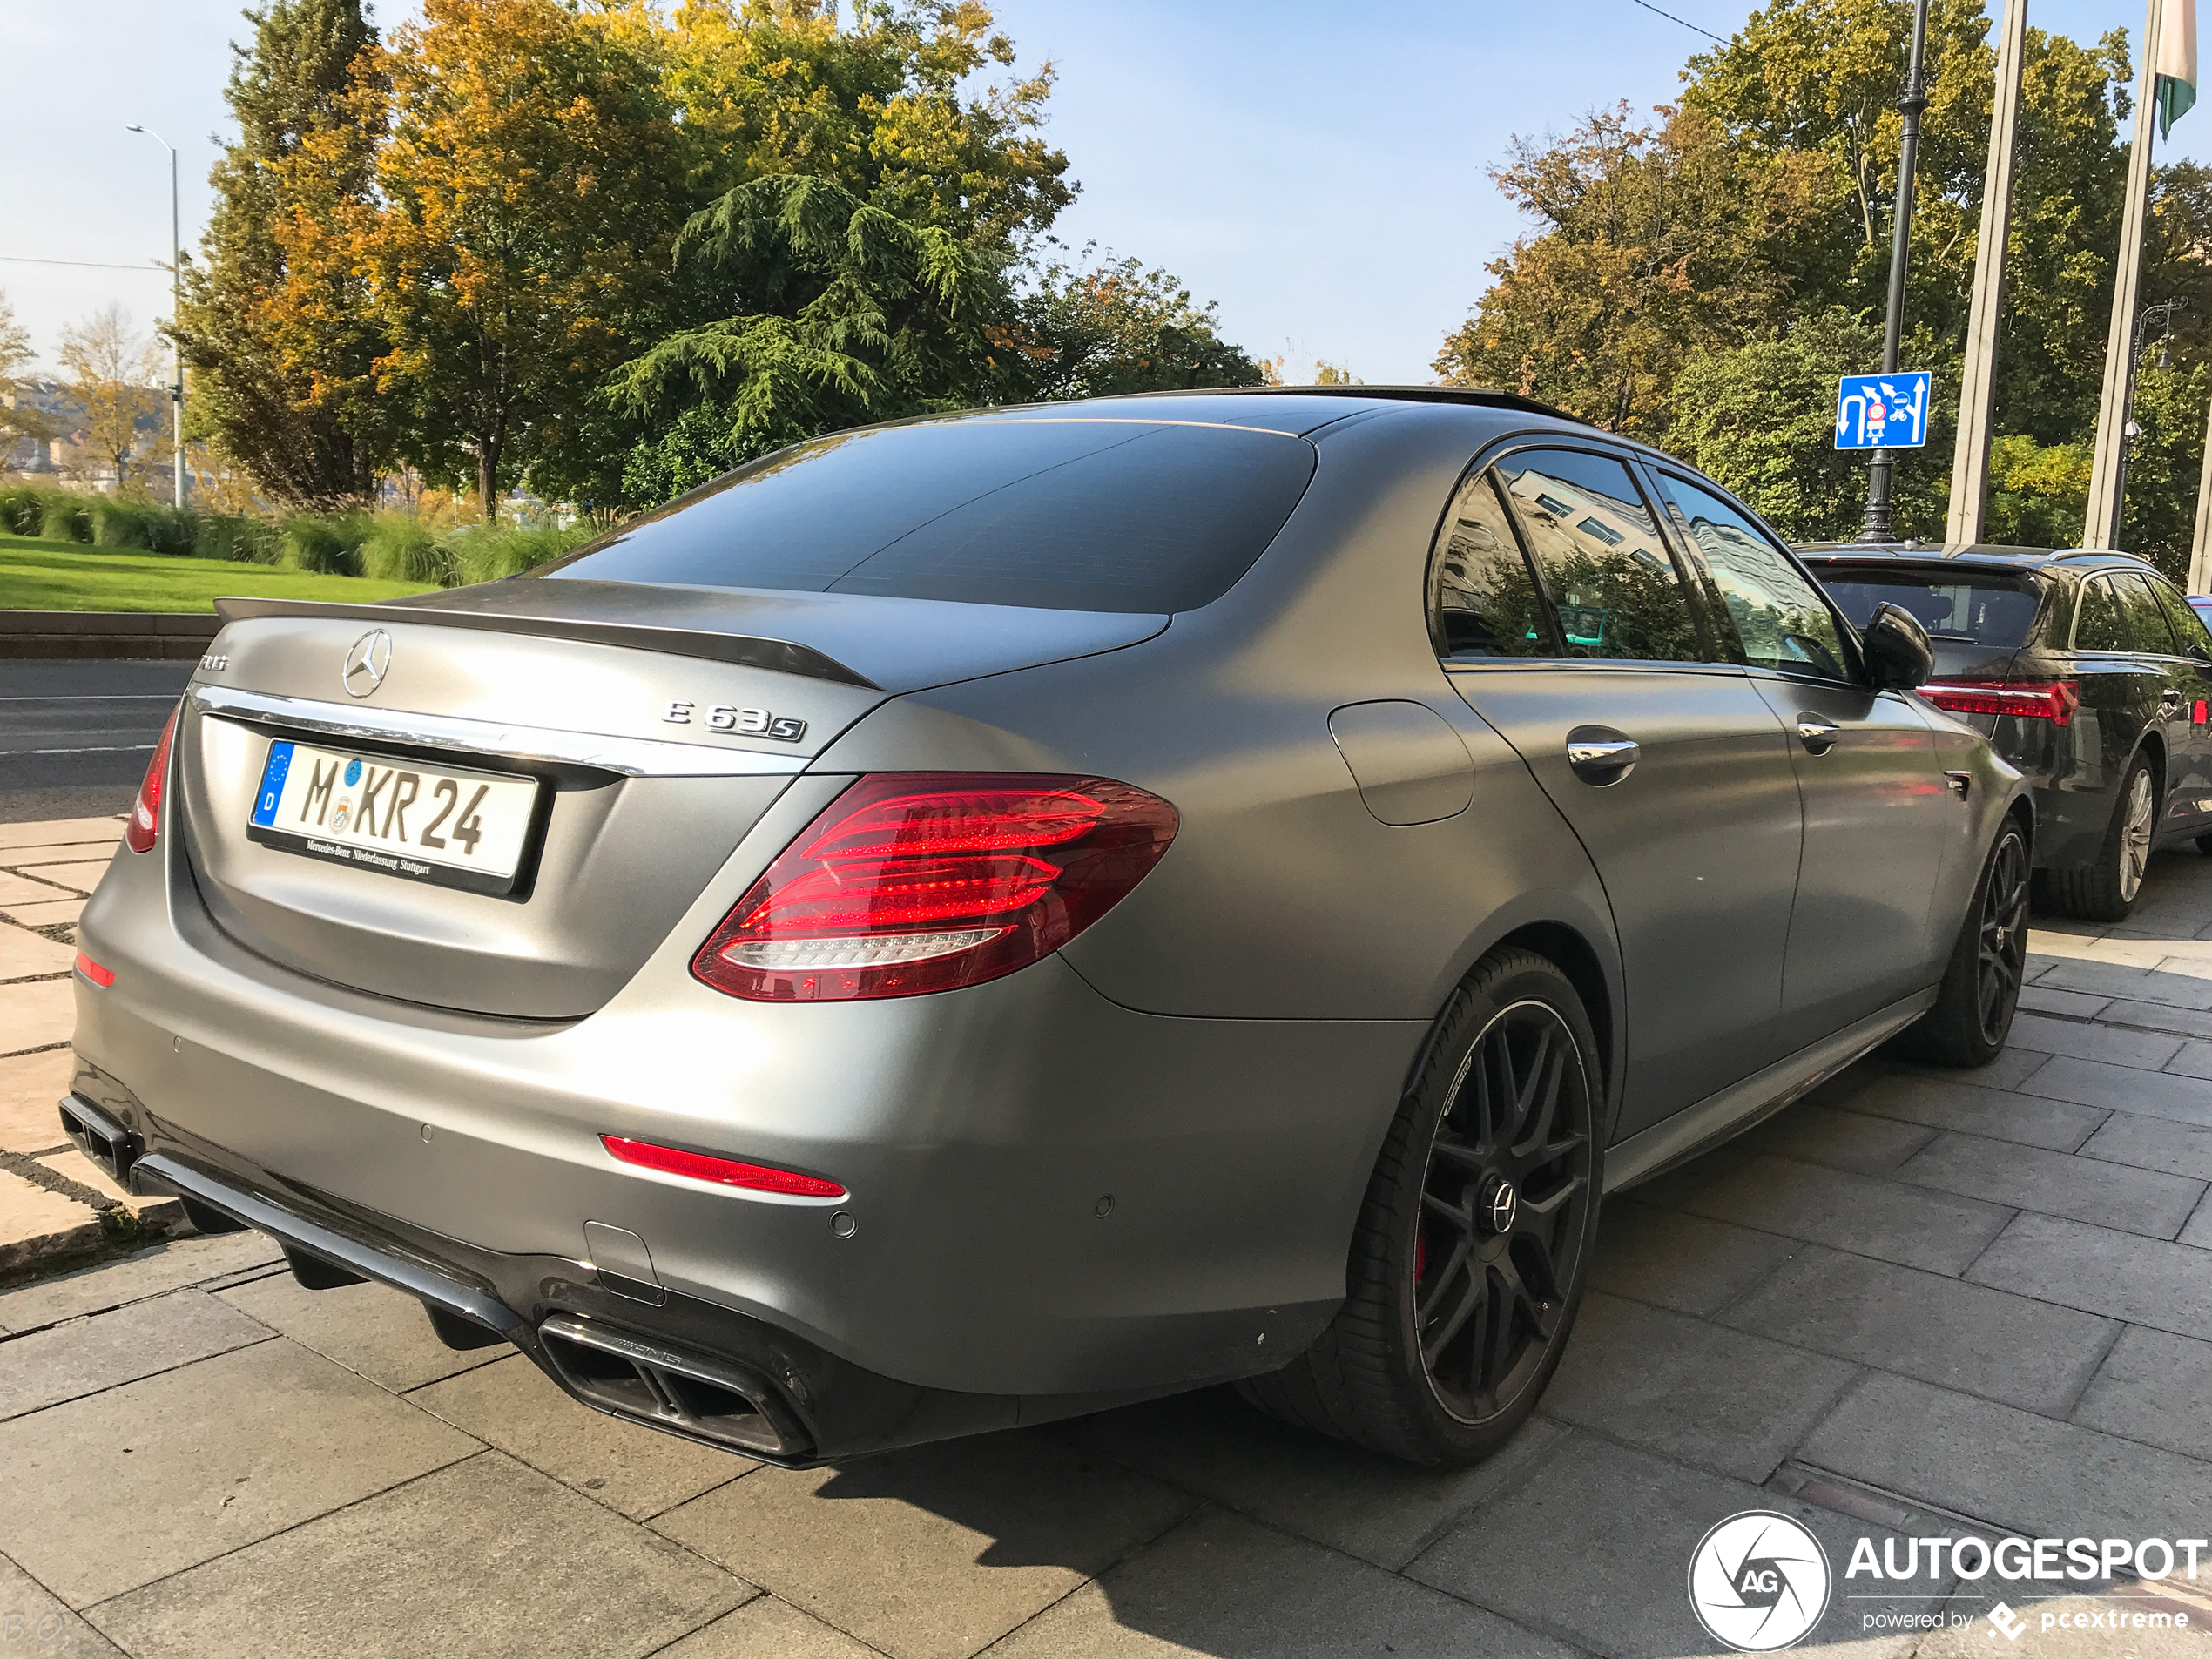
115 372
18 420
532 183
275 324
1654 249
1110 327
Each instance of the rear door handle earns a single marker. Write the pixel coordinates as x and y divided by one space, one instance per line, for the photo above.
1602 757
1818 735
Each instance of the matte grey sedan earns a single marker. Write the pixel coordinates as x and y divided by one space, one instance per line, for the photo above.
969 921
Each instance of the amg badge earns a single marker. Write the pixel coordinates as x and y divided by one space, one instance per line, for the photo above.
748 723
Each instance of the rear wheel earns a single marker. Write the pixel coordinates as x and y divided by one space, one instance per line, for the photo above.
2106 890
1472 1245
1973 1010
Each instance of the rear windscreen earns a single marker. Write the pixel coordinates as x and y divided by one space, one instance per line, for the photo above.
1988 608
1061 515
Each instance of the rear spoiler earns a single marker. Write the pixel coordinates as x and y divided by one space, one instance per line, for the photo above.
744 649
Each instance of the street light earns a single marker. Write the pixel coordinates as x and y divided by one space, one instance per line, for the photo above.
2161 316
176 310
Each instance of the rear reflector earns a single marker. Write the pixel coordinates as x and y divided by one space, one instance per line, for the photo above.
145 825
100 976
2052 700
911 882
727 1172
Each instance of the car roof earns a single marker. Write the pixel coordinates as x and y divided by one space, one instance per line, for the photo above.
1300 409
1987 555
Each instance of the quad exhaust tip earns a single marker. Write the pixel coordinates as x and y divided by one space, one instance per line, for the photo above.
100 1138
715 1400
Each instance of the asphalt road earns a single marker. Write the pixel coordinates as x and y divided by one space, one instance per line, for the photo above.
74 736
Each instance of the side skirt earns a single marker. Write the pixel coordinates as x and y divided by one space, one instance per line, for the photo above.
1732 1110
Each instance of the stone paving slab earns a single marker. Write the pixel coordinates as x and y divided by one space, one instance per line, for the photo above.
38 1226
24 954
44 913
1220 1585
2144 1049
934 1553
60 829
2154 1387
2009 1469
1679 1261
1942 1102
36 1013
31 1086
150 1272
2091 1082
2026 1177
1886 1220
513 1405
1816 1134
768 1628
85 1356
21 889
2154 1143
484 1558
33 1622
83 875
2144 1281
1941 1329
237 1449
371 1329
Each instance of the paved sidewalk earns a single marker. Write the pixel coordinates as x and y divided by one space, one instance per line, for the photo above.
55 1202
1918 1303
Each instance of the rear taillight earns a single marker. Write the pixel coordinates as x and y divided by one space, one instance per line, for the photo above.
145 826
729 1172
2052 700
923 881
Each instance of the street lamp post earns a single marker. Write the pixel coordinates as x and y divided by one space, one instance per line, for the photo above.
176 308
1876 525
2162 317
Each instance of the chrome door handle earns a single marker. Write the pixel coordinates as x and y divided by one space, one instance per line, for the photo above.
1601 759
1818 735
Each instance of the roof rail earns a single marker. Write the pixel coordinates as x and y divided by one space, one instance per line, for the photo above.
1479 396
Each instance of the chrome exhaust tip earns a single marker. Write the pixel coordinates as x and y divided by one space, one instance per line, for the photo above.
715 1400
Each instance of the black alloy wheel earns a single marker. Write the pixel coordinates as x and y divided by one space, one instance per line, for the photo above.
2001 940
1503 1223
1472 1245
1981 990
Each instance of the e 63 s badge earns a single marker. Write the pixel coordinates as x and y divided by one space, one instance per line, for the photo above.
744 722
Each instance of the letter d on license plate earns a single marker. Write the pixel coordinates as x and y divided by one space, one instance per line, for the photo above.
441 825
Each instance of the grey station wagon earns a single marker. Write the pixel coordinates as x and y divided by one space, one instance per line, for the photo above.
963 922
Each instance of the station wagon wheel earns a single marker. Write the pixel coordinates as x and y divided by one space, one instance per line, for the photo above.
1502 1211
2001 944
1472 1245
2139 818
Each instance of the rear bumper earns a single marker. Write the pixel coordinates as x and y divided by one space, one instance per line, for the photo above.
975 1281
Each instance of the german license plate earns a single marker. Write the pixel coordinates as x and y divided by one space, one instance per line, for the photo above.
441 824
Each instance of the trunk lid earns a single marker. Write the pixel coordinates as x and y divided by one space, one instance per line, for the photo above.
658 726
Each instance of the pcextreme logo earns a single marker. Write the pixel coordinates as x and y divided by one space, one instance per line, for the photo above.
1758 1581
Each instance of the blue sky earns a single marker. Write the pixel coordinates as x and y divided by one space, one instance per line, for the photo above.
1320 170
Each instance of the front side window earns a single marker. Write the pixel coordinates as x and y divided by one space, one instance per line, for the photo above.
1481 600
1597 550
1777 614
2143 620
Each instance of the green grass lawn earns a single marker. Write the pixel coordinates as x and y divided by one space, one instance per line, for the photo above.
62 576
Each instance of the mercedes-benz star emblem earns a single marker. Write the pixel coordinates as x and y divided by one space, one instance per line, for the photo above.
368 662
1503 1203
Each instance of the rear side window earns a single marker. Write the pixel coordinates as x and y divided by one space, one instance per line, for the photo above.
2189 628
1482 601
1598 552
1118 515
1987 607
2143 618
2097 624
1777 613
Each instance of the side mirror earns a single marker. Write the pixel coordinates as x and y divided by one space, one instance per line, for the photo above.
1898 653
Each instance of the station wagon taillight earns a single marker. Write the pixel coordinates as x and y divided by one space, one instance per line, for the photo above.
2052 700
145 825
924 881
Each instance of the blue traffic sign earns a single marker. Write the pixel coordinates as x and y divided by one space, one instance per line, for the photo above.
1882 411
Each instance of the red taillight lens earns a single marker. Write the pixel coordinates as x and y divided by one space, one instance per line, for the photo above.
729 1172
145 826
2052 700
924 881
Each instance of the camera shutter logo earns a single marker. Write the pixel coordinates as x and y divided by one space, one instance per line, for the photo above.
1758 1581
368 662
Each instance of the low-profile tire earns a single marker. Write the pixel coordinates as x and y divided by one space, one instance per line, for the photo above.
1973 1010
1473 1241
2106 890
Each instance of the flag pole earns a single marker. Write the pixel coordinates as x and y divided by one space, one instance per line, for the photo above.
1978 391
2100 526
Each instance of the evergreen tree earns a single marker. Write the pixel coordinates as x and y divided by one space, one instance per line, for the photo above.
278 344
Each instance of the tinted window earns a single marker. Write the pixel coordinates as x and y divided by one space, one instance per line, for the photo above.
2143 620
2189 628
1600 557
1482 601
1778 616
1985 607
2096 618
1064 515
